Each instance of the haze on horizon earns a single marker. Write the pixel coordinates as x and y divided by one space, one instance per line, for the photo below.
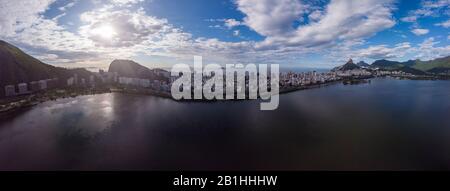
293 33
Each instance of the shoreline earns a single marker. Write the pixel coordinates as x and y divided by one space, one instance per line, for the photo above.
20 103
16 104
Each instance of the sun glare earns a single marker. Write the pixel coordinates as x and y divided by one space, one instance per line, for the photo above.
105 31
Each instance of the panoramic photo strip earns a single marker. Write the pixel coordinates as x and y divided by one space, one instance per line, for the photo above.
231 94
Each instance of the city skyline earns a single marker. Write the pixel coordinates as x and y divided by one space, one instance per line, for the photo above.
315 34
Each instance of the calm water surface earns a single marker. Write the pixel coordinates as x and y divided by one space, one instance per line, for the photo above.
385 125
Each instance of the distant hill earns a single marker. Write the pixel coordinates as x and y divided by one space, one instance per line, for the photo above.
363 64
398 66
409 63
387 64
439 64
410 70
348 66
439 70
18 67
131 69
436 63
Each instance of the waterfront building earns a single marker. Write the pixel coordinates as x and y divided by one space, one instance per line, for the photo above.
124 81
116 77
10 90
70 81
135 81
145 83
91 79
34 86
43 84
106 77
52 83
23 88
75 79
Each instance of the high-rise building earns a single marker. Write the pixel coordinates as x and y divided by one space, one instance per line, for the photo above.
91 79
75 79
70 81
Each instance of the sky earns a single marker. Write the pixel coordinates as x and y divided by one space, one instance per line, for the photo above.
292 33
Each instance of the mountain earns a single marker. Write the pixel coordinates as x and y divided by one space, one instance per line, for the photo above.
436 63
18 67
363 64
410 63
387 64
131 69
439 65
348 66
439 70
410 70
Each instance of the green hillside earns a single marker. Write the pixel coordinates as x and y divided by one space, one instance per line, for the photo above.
437 63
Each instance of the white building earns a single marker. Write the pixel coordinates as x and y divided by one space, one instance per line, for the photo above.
145 83
125 81
75 79
43 84
23 88
10 90
91 79
70 81
135 81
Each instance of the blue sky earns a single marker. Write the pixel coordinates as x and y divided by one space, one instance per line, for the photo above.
160 33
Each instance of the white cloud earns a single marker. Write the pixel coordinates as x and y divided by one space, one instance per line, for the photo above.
315 15
231 23
428 8
69 5
420 32
271 18
430 4
410 19
384 52
125 2
445 24
236 32
225 24
130 27
341 20
428 50
20 14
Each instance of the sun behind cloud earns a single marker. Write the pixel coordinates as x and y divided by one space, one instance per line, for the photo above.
105 31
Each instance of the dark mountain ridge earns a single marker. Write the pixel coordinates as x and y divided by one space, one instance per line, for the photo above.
362 64
386 64
131 69
17 67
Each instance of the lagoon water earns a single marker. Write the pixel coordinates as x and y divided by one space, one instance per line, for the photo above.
386 125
